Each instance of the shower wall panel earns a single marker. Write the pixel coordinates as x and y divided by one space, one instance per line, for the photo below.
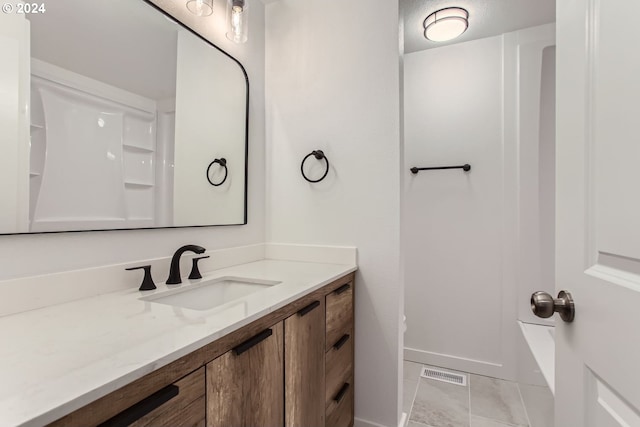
453 221
464 233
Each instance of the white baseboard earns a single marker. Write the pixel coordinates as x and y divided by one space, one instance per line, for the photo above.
359 422
457 363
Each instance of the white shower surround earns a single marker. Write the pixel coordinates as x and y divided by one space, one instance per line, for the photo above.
100 172
465 103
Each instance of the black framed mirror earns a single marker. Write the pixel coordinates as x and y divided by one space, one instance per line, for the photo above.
121 114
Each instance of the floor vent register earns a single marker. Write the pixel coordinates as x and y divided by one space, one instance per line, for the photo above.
444 376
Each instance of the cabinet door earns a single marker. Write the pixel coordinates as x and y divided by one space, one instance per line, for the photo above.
304 367
245 386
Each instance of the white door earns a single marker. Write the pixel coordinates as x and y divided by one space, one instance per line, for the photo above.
598 212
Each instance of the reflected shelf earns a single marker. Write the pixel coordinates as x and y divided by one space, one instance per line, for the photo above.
138 148
137 184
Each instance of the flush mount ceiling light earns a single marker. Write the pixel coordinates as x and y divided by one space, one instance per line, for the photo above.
446 24
200 7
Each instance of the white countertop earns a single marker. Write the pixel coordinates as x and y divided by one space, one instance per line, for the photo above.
57 359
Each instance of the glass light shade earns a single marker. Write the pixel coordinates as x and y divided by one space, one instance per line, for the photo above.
237 20
200 7
446 24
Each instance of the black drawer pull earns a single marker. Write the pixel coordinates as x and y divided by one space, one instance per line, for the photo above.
253 341
342 289
342 341
341 393
308 308
142 408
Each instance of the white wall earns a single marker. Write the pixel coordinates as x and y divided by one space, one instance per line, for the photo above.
333 84
26 255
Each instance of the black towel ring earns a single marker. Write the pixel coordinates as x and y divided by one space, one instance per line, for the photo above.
318 154
223 163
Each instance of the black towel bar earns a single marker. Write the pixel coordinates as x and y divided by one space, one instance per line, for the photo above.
465 167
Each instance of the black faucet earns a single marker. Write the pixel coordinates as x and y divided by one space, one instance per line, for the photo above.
174 272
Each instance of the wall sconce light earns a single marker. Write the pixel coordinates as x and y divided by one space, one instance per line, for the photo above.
237 20
200 7
446 24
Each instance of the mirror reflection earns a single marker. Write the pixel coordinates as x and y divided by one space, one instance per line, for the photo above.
122 119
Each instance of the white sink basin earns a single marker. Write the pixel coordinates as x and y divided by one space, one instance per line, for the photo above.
207 294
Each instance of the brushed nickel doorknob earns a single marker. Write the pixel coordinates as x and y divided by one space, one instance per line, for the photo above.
544 305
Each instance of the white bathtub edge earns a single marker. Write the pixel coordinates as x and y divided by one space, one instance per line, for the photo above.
543 347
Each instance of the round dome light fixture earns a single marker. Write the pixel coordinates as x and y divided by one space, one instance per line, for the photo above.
446 24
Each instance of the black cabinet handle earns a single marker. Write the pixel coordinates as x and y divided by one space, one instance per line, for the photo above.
142 408
252 341
342 289
341 393
342 341
308 308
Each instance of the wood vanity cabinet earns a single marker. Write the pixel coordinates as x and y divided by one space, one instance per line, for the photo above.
292 367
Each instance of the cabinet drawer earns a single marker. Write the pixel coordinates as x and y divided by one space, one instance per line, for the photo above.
181 404
340 409
339 313
339 366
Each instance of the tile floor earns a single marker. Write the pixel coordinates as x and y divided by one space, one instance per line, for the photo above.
483 402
